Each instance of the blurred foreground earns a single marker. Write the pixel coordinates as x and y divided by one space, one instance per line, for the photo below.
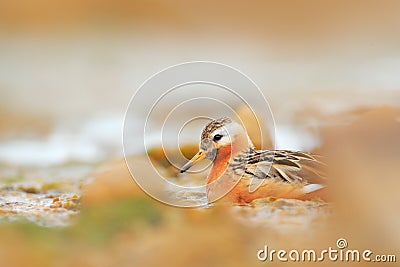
120 225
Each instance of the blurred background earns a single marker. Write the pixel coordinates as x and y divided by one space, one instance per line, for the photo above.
329 69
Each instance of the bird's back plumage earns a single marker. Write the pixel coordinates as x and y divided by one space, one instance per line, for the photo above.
282 165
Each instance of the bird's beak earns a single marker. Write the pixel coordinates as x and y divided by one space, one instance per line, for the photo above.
198 157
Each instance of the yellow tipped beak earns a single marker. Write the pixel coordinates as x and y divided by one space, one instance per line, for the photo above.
198 157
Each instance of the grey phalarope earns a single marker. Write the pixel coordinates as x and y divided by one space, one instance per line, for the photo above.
235 163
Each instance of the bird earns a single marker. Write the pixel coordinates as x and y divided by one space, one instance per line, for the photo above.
240 173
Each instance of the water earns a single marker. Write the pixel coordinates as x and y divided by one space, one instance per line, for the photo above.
91 140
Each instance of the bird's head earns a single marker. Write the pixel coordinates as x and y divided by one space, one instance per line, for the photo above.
220 137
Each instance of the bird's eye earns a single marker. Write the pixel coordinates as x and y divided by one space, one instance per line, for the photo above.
217 137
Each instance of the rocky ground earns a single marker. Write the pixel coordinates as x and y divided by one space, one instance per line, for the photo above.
95 214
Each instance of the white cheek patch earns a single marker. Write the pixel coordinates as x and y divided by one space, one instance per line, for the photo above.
228 132
226 139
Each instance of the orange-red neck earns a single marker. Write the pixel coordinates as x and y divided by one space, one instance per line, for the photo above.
220 163
224 155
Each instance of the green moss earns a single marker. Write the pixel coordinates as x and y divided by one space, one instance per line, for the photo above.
101 223
96 225
35 233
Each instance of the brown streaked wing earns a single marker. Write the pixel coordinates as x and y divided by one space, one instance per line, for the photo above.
288 166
